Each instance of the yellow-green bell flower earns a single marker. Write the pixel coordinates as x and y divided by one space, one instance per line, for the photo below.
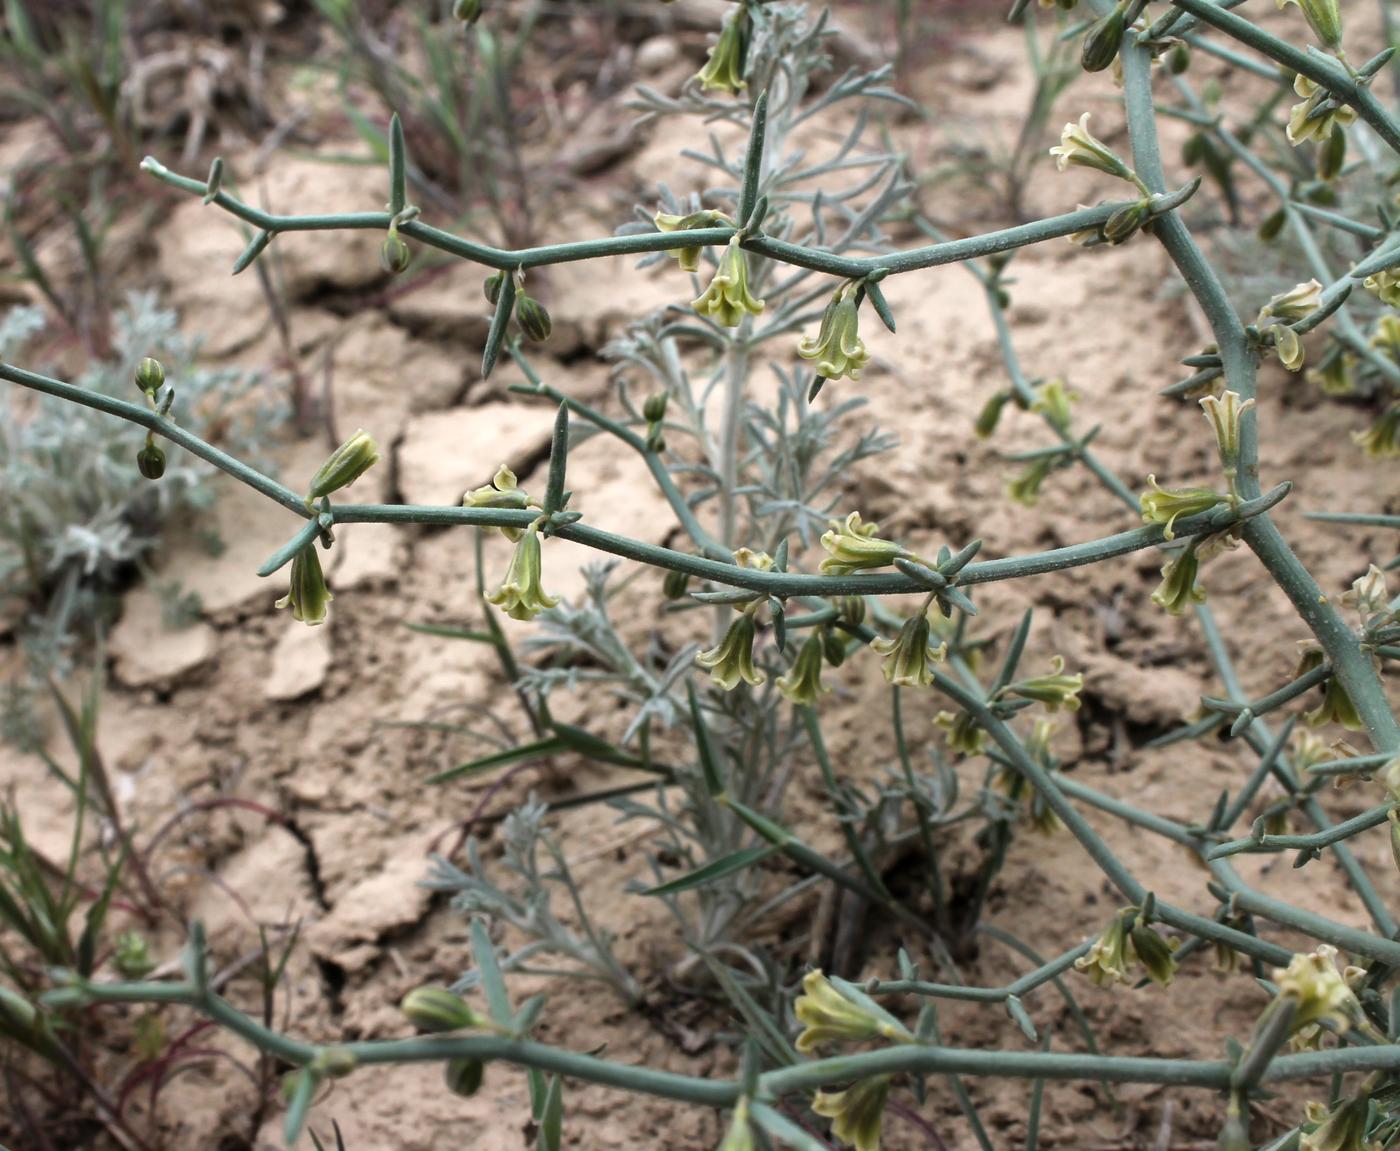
1154 953
828 1016
346 464
837 347
1111 955
1324 17
854 547
1288 308
1054 401
1224 413
962 732
1165 505
1054 691
1385 336
856 1112
503 491
731 660
803 683
728 299
521 595
307 594
724 70
1317 990
1011 783
1178 589
1025 488
1382 439
1385 285
909 656
739 1137
1335 374
1340 1128
1369 595
1336 705
1303 125
1081 148
688 258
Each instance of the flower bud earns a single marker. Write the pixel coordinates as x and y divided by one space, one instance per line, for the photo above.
346 464
834 648
852 608
1332 155
1324 17
1273 225
151 462
334 1062
463 1076
533 319
132 957
675 584
654 409
150 374
1126 222
990 415
467 11
1102 43
394 255
436 1009
1179 58
491 287
1155 953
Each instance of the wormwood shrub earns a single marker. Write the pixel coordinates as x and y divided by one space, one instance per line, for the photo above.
796 582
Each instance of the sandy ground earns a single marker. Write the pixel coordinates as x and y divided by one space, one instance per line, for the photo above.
247 703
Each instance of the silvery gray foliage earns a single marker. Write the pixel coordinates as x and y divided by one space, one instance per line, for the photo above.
75 514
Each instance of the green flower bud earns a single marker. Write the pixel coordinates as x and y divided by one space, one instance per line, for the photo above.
334 1062
491 287
308 595
852 608
837 347
132 956
856 1112
344 466
463 1076
829 1016
1273 225
1332 156
803 682
675 584
731 659
1178 58
909 655
1324 17
436 1009
1125 223
1178 589
854 546
1155 953
725 68
728 298
18 1017
990 415
534 321
394 255
834 647
150 374
654 408
1234 1135
1102 42
1165 505
1054 401
150 460
521 595
467 11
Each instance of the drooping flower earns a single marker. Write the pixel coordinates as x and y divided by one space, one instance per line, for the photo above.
521 595
962 732
1165 505
1154 953
503 491
1285 309
856 1112
829 1016
1111 955
1385 285
1318 991
1336 705
1382 439
739 1137
1025 488
1224 413
689 258
1340 1128
1317 114
731 659
1335 374
724 70
854 546
1054 401
837 347
803 683
728 298
307 594
1178 589
909 656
